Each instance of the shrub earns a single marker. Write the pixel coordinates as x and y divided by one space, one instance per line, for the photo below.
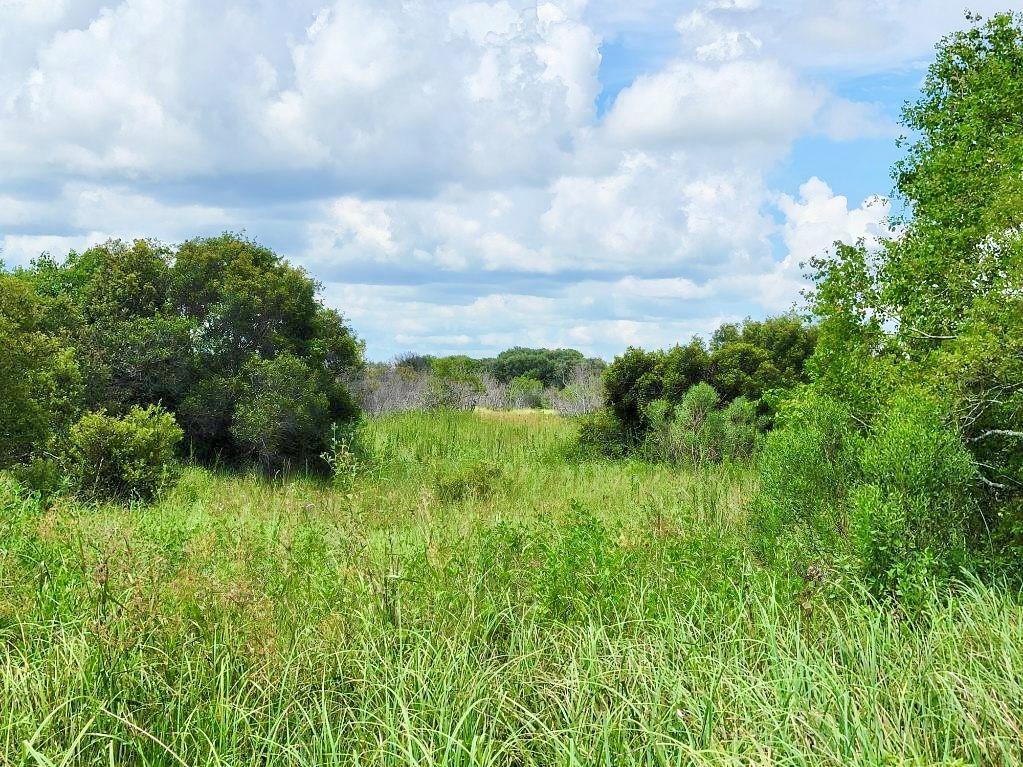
602 432
526 392
808 466
455 382
43 476
282 414
40 382
911 515
475 480
129 457
698 431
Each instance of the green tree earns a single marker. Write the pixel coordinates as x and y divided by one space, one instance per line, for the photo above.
39 379
281 413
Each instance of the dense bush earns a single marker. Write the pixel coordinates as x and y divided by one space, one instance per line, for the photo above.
698 431
39 378
280 413
551 367
602 432
912 514
124 457
754 361
808 466
149 324
921 340
525 392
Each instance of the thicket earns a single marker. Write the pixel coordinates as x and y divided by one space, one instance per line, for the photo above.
902 459
649 394
221 333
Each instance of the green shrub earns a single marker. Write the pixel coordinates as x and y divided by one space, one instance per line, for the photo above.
808 465
129 457
524 391
40 381
910 519
283 413
602 432
697 434
43 476
741 432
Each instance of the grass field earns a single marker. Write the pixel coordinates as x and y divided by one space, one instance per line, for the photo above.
480 595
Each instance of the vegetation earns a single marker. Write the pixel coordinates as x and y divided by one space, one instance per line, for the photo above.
916 397
755 362
210 331
481 597
799 543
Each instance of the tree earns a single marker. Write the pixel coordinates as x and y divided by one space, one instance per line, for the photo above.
178 327
552 367
937 308
281 412
40 382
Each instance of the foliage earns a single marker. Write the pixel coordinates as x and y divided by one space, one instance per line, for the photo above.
755 361
149 324
603 432
39 378
937 307
698 431
455 382
552 367
524 391
911 516
126 457
280 413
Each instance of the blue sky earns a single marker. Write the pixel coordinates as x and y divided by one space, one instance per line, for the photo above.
468 176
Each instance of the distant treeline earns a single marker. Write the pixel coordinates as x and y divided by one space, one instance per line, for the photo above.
561 379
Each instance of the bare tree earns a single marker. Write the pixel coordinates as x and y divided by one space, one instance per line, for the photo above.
581 394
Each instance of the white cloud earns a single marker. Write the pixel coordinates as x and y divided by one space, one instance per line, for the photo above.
446 159
738 101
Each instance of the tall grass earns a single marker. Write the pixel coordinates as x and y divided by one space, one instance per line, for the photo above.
560 611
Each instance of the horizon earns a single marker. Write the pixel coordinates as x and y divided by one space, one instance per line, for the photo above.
464 178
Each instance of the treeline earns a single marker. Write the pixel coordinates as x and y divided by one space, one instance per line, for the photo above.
116 355
560 379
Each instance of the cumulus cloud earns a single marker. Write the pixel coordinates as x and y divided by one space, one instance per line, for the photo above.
443 167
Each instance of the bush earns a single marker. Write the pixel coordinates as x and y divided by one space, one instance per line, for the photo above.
282 414
475 480
602 432
129 457
525 392
741 432
43 476
808 466
911 515
40 382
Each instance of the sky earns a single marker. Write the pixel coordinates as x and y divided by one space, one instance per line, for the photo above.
466 177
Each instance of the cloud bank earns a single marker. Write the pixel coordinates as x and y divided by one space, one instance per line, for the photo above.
462 176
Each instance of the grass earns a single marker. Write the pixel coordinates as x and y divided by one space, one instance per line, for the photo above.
482 595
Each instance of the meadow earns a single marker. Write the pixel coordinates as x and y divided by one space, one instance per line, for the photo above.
479 593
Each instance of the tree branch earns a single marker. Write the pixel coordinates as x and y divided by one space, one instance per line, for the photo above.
998 433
